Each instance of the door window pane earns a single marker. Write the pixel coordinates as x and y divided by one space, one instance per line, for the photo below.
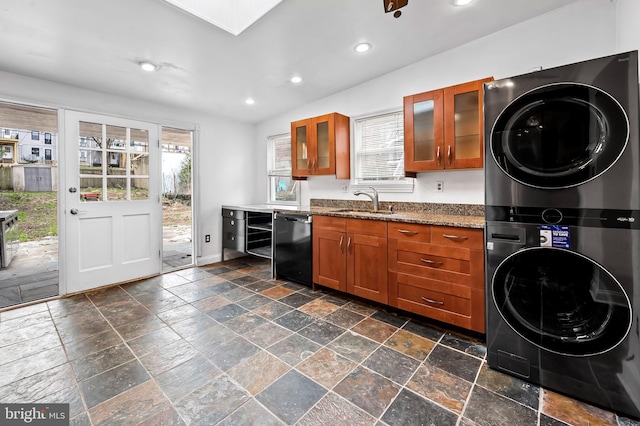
140 188
139 165
116 163
90 189
116 137
139 140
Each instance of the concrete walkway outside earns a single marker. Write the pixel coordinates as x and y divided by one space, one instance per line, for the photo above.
33 272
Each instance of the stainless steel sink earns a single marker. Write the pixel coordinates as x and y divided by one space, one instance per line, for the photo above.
362 211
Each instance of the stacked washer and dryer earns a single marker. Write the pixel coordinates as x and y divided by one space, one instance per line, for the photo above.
562 188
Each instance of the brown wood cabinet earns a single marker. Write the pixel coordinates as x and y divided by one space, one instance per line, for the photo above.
320 146
438 272
351 255
443 129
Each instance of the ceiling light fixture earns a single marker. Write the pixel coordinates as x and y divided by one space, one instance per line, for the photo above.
296 79
148 66
250 101
362 47
460 2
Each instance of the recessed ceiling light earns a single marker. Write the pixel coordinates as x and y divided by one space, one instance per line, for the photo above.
362 47
148 66
461 2
250 101
296 79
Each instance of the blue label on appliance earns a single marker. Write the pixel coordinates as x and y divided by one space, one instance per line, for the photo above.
555 236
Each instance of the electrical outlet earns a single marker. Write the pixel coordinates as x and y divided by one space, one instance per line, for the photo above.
207 238
439 186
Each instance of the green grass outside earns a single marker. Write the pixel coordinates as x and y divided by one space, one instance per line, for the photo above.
37 213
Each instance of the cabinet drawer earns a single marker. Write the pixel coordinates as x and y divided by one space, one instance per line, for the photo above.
237 214
409 232
457 237
432 299
233 234
374 228
435 267
330 223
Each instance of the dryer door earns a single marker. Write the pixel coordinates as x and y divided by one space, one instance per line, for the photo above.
559 135
561 301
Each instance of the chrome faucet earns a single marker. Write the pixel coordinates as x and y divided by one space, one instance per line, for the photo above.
374 197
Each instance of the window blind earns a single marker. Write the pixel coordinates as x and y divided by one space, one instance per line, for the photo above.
379 148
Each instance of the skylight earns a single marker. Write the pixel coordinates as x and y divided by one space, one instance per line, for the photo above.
233 16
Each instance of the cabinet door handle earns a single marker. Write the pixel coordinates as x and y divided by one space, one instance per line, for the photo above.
341 239
455 237
349 245
435 302
449 154
308 164
407 232
314 164
438 156
431 262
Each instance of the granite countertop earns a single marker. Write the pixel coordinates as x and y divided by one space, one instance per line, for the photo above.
459 215
263 208
461 221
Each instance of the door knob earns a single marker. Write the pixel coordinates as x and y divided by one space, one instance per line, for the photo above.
73 211
73 189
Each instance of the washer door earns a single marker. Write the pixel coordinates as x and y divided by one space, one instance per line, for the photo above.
561 301
559 135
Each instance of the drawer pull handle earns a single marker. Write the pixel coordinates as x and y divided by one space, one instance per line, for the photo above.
407 232
455 237
436 302
432 262
341 239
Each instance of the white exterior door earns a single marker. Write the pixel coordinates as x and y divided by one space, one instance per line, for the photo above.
113 214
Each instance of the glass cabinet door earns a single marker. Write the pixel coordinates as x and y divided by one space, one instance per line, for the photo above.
466 130
423 132
323 163
424 140
300 148
463 125
322 139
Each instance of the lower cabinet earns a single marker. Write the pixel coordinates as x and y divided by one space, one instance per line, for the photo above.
434 271
438 272
351 255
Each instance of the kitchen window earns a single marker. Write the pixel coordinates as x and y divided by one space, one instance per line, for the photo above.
282 188
379 153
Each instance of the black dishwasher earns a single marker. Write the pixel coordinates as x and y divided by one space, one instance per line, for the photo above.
292 253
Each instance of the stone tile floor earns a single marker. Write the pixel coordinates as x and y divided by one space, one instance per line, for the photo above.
225 344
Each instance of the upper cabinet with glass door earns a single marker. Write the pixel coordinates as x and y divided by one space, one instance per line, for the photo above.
443 129
320 146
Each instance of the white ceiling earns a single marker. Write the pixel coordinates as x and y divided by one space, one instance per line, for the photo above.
97 44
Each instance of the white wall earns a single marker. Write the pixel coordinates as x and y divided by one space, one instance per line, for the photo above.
582 30
219 161
628 30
